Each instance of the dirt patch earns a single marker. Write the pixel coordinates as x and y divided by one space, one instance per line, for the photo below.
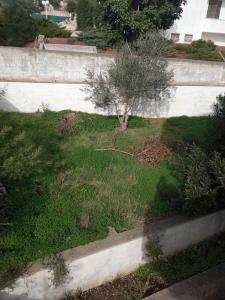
67 123
121 289
153 152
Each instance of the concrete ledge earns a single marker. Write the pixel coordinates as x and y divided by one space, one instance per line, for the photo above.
209 285
101 261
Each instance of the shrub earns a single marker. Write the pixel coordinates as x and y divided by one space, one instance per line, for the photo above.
49 29
18 160
95 38
71 6
58 268
202 178
204 50
200 49
86 14
217 132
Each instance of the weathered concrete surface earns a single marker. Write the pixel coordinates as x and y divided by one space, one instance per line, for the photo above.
70 48
102 261
28 97
33 65
209 285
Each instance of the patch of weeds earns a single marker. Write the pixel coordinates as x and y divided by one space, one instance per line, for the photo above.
57 266
9 277
154 249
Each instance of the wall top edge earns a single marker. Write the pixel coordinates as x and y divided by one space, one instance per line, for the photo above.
114 239
30 50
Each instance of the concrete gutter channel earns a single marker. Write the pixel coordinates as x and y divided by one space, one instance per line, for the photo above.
209 285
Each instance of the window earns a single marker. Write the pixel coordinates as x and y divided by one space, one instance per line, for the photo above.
188 38
214 9
175 37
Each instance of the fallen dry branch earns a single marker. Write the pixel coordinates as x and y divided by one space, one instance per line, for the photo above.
116 150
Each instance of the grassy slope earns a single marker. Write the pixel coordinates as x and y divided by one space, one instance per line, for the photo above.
77 184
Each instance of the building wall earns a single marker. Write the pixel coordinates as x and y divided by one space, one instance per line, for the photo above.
194 22
119 254
191 21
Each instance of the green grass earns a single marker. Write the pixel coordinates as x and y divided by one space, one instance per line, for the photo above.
77 183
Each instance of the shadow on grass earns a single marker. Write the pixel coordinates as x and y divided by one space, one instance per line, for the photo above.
177 133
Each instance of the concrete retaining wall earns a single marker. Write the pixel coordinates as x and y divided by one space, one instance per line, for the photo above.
28 97
102 261
33 65
32 77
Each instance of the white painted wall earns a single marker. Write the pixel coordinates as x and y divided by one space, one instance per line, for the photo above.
193 21
105 262
28 97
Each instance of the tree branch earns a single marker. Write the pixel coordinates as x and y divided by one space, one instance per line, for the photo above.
116 150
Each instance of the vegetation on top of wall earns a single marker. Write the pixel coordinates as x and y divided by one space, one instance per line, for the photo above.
200 49
100 39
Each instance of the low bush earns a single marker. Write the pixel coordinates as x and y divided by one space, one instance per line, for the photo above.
49 29
202 178
18 160
217 132
95 38
200 49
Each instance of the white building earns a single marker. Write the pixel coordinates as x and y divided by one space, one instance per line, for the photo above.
201 19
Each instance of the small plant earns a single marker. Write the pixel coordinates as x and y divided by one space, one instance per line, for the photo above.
59 269
154 249
8 278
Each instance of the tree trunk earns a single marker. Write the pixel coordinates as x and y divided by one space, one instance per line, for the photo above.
124 121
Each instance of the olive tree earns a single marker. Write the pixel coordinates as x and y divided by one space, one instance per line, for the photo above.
137 80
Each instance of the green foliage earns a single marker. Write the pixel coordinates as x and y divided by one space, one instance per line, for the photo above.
18 159
17 26
138 80
78 192
200 49
55 3
217 132
154 249
86 14
99 39
57 266
49 29
204 50
131 18
203 180
72 6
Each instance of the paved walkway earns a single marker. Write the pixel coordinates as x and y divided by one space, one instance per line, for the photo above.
209 285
